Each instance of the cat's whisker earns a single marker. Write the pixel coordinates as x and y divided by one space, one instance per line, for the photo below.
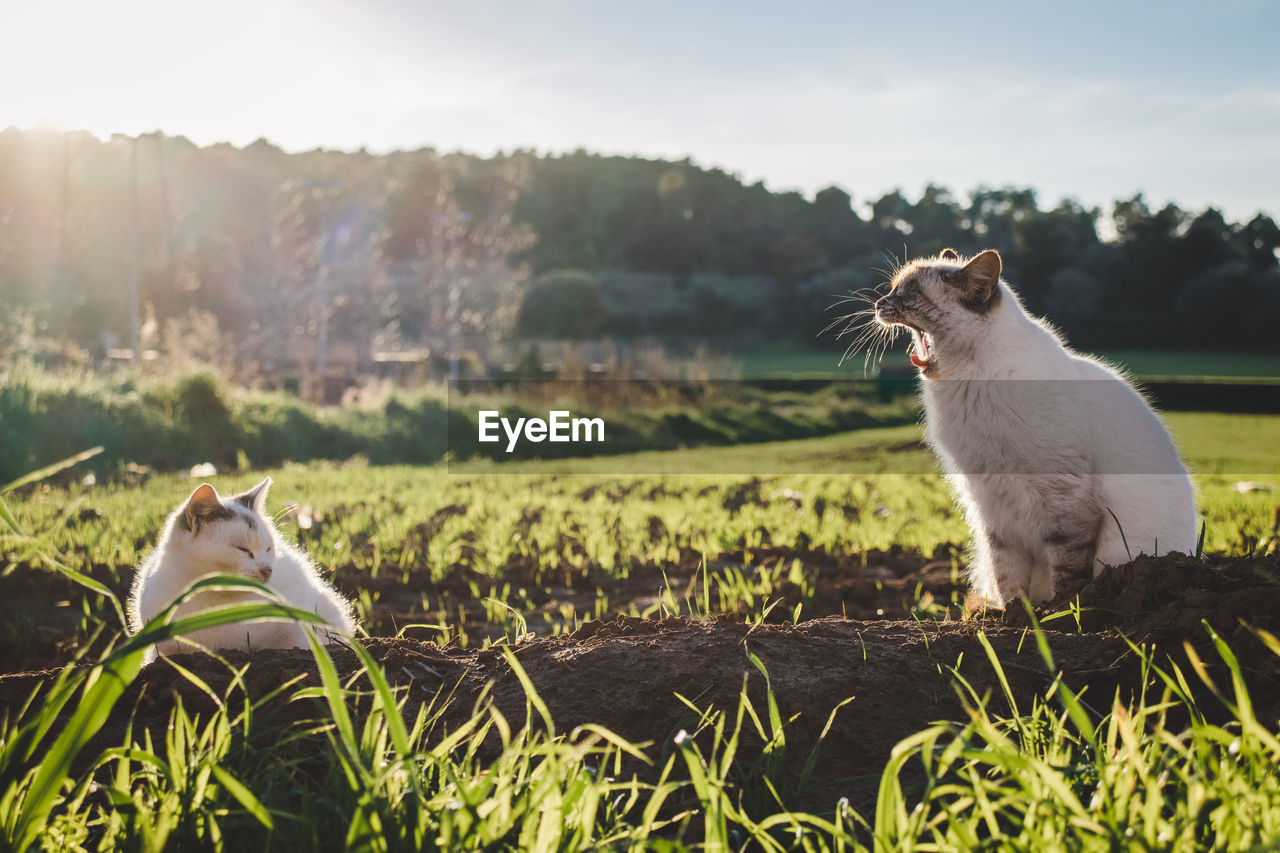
852 317
836 322
888 335
859 296
875 350
862 343
852 321
871 335
864 330
895 265
853 295
868 334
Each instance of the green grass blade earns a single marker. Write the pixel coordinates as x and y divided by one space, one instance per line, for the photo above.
50 470
7 517
999 671
267 611
530 692
334 695
390 708
242 795
99 697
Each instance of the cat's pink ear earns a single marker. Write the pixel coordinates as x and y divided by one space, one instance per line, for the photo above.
203 505
256 498
950 255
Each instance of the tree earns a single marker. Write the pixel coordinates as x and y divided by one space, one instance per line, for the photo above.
563 304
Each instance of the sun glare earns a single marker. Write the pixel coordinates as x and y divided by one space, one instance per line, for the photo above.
233 71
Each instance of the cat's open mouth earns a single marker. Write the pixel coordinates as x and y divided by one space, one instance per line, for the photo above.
919 347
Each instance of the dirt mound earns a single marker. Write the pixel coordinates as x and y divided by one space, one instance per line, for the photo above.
627 674
1167 602
1156 598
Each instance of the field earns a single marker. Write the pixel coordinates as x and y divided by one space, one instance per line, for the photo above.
612 652
1145 364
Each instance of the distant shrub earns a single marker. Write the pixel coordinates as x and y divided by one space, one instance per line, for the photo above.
563 304
174 423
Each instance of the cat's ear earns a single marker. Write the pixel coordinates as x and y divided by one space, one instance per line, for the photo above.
256 498
203 505
980 279
949 255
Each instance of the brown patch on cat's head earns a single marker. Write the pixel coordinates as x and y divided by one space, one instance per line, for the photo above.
979 278
202 507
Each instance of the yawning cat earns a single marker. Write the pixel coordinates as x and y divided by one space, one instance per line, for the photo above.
208 535
1060 464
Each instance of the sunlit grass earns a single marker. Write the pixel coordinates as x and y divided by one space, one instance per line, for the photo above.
512 535
367 770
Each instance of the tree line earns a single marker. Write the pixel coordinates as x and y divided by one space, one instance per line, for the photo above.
252 254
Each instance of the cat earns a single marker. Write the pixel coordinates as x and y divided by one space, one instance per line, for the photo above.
1061 466
208 535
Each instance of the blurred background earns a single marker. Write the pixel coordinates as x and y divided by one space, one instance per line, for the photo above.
341 203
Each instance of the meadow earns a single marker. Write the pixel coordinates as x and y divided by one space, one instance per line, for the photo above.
484 570
797 362
558 541
168 423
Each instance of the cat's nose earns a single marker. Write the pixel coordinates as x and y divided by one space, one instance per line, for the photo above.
265 572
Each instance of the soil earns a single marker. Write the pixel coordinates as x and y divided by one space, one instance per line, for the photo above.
872 585
625 674
41 614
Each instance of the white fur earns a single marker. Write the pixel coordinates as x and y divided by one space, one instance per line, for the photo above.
219 546
1041 442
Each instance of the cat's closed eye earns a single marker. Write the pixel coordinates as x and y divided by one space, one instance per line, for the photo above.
244 549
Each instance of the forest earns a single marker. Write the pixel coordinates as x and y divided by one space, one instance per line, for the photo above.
245 255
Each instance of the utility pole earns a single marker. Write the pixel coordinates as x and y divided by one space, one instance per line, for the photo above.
455 333
323 258
322 294
60 270
166 209
134 310
454 222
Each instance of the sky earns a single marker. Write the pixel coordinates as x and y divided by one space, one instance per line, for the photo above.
1094 101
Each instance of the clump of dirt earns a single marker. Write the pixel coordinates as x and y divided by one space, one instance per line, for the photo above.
747 493
1159 598
1175 600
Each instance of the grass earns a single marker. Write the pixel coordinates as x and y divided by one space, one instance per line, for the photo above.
1050 777
1217 444
508 534
1145 364
1215 365
173 423
1053 775
167 424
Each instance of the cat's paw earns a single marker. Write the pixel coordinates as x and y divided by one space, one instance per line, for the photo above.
1017 613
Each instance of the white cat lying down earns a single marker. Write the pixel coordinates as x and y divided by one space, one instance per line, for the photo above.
208 535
